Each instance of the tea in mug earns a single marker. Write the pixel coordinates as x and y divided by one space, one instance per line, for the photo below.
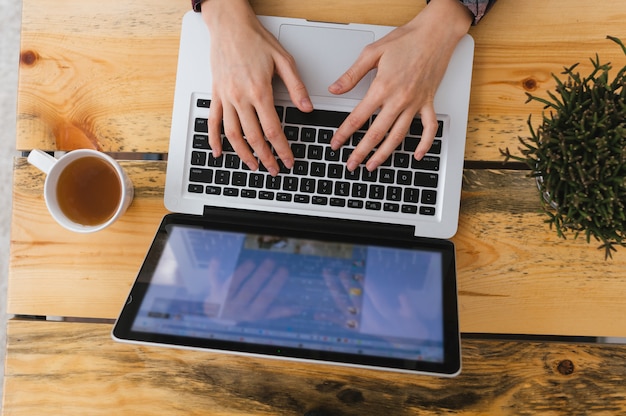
89 191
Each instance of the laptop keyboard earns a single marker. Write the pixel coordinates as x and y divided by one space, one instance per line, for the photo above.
400 186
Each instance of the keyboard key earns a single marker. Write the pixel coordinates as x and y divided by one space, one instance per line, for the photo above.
267 195
417 128
301 199
307 135
426 180
373 205
301 167
248 193
213 190
404 177
307 185
357 137
283 197
200 175
429 197
216 162
201 125
331 155
231 191
226 146
387 176
318 169
324 187
319 200
222 177
436 147
401 160
201 141
321 118
335 171
315 152
291 133
427 163
377 192
337 202
370 176
324 136
256 180
203 103
345 154
411 195
290 183
354 203
298 150
198 158
273 182
409 209
232 161
342 188
354 175
195 188
391 207
394 193
427 210
239 179
359 190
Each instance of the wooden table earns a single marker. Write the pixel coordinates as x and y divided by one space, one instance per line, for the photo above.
101 74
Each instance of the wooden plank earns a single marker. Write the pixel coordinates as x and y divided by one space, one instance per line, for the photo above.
514 274
76 369
103 76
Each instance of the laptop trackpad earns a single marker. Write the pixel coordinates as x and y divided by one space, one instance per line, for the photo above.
323 54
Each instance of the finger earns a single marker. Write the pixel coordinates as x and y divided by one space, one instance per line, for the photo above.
288 72
232 131
274 133
358 118
215 127
375 134
256 139
429 121
363 64
394 138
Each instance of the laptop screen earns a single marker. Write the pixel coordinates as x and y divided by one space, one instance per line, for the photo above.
293 296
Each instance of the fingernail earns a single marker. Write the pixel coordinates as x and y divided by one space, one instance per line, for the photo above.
252 165
352 165
335 88
288 163
419 156
306 103
273 171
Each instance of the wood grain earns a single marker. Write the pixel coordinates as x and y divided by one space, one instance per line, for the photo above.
514 274
101 76
76 369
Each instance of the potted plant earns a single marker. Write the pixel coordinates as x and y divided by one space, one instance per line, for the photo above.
578 154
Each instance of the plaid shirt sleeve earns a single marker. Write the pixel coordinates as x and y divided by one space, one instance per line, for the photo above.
479 8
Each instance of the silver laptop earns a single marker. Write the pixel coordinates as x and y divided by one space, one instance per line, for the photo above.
424 196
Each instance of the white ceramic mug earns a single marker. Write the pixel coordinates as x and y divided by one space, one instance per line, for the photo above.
54 168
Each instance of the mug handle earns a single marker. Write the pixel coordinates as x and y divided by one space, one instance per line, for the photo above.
41 160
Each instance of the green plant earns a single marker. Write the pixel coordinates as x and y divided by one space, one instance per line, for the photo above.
578 154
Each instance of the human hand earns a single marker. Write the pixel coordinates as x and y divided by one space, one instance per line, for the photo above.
244 58
410 62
